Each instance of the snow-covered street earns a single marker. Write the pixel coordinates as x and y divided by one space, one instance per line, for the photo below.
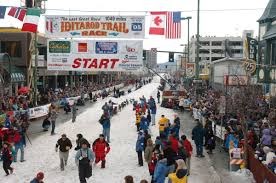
121 161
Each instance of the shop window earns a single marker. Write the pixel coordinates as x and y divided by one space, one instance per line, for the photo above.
273 54
216 43
13 48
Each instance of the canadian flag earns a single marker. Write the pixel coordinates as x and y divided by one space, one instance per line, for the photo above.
158 23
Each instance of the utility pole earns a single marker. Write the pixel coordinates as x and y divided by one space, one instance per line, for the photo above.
36 64
197 41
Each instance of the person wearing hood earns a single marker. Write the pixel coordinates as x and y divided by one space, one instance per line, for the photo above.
179 177
161 170
269 155
148 153
84 160
175 127
140 147
144 124
266 138
79 140
198 136
74 112
39 178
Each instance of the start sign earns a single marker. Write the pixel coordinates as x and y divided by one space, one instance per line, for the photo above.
94 55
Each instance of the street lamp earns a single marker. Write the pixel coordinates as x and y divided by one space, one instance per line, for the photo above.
197 40
188 18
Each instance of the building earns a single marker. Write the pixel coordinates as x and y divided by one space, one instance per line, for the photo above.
213 48
150 58
267 48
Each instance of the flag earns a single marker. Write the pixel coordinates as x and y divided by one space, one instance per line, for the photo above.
173 25
18 13
49 26
2 12
31 20
158 22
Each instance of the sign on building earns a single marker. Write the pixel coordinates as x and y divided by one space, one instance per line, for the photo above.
94 55
81 26
190 69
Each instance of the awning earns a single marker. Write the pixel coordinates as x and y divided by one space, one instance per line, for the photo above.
17 73
271 33
17 77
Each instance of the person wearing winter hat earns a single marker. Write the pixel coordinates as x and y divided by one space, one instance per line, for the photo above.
84 160
179 177
101 148
39 178
7 158
64 145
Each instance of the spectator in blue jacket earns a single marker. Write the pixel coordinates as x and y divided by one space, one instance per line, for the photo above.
152 106
161 170
140 147
144 123
20 145
8 122
105 121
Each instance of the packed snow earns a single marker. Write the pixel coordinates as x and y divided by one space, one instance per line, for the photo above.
121 161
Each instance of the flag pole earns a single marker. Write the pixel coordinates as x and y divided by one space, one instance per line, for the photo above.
36 64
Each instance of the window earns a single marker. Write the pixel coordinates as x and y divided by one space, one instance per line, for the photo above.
216 43
273 53
217 51
235 43
13 48
203 51
205 43
262 31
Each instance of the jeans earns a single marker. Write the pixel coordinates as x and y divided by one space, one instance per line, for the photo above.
140 157
7 166
17 147
188 163
63 156
106 133
153 119
53 127
199 149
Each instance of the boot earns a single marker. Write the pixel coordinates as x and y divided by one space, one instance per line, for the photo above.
103 164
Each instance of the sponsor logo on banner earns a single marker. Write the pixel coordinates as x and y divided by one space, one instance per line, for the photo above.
93 55
59 46
82 47
106 47
95 26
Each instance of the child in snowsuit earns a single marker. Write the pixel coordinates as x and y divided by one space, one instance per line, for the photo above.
101 149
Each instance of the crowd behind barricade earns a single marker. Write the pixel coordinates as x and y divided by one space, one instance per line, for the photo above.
260 126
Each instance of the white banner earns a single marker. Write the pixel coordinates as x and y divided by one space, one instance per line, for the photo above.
38 112
93 55
80 26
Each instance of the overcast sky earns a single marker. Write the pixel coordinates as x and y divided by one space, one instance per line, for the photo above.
218 17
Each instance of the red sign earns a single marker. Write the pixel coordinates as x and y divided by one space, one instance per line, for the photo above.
94 63
82 47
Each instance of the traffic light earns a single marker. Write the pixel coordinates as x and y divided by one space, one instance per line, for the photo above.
171 56
29 3
144 55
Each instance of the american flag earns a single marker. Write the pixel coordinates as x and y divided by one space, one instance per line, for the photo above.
173 25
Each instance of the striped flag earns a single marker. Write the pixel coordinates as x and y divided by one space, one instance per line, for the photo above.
173 25
18 13
31 20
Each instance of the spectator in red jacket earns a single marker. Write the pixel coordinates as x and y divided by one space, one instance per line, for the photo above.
101 148
189 149
174 143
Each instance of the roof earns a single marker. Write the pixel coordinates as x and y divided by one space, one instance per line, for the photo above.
226 59
271 33
269 13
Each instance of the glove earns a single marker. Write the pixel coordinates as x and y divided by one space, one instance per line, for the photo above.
56 149
91 163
